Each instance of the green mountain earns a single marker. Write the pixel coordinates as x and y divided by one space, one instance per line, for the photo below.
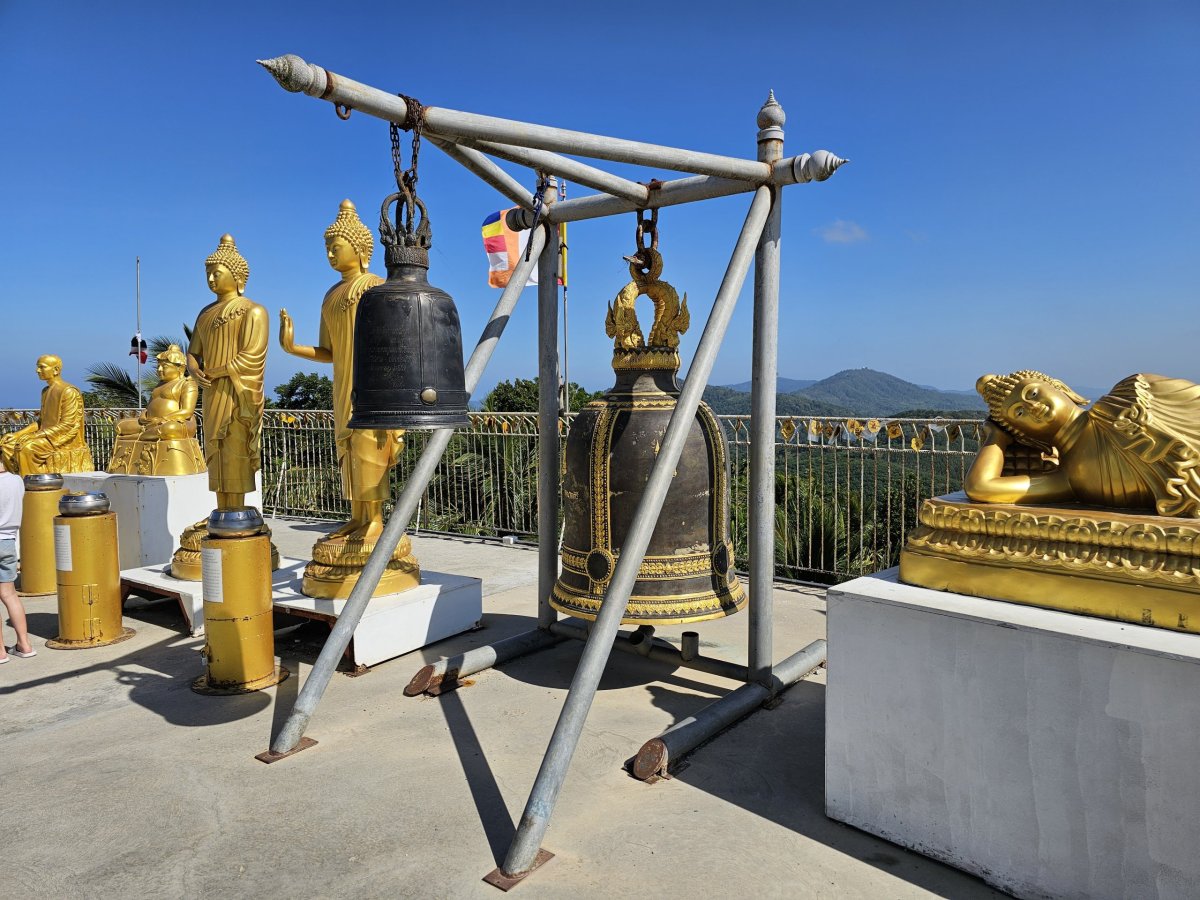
871 393
782 385
853 392
728 401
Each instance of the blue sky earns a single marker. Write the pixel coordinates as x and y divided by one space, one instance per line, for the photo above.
1023 189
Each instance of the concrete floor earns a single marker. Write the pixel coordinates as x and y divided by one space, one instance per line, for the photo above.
121 782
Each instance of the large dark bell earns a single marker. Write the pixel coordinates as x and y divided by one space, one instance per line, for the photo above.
687 574
408 360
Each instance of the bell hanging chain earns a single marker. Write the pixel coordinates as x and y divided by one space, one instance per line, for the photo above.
406 179
647 228
539 206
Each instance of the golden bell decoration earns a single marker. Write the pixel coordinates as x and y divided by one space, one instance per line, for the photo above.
687 573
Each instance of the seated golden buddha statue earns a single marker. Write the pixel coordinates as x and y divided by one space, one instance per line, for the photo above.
162 441
55 443
1091 510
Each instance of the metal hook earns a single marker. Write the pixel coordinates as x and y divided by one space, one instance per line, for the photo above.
343 111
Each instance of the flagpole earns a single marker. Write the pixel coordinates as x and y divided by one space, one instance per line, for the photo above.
138 264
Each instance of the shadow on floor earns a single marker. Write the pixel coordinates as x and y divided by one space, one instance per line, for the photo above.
776 770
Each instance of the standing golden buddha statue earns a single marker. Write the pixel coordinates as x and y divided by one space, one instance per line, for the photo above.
227 356
55 443
162 441
366 457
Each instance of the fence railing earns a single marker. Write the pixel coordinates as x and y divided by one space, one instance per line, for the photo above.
847 490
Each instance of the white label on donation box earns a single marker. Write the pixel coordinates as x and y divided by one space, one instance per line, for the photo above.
210 572
62 548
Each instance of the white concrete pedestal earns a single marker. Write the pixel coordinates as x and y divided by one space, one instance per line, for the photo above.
1050 754
152 510
442 605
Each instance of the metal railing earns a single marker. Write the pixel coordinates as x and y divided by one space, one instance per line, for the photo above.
847 490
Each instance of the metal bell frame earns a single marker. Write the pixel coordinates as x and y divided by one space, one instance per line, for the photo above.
468 138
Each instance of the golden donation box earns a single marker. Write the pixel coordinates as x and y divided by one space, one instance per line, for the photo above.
40 506
88 574
239 633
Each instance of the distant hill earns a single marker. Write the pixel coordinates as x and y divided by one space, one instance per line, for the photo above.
731 402
853 392
871 393
783 385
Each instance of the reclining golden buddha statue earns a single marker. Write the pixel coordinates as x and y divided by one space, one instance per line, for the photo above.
1093 509
162 441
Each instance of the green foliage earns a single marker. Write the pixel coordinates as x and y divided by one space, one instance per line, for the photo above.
521 395
114 386
726 401
305 390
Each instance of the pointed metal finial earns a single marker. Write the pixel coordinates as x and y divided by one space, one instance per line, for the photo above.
771 115
292 72
818 166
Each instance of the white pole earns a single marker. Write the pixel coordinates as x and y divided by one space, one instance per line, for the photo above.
139 331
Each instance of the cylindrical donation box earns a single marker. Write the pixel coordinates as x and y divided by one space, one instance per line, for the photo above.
42 493
238 624
88 573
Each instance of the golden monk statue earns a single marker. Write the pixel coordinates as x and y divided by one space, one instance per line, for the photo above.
162 441
228 357
1087 510
366 457
1137 447
55 443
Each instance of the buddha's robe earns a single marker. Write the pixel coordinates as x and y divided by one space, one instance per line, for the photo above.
230 344
57 446
365 457
1138 447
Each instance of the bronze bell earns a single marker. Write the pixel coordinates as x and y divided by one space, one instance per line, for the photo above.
408 361
687 574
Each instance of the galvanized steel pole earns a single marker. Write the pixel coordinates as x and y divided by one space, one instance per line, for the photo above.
555 164
488 171
526 845
343 630
765 371
296 75
548 419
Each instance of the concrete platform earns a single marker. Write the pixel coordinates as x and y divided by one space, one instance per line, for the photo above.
130 785
1048 752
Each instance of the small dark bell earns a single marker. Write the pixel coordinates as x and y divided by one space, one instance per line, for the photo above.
408 360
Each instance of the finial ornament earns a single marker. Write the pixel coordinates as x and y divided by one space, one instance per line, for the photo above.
771 114
227 255
816 166
349 226
292 72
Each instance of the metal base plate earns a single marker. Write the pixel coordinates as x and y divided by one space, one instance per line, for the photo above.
201 685
60 644
270 756
501 879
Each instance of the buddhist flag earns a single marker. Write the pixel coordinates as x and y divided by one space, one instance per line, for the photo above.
504 248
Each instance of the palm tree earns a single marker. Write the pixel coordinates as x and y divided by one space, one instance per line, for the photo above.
115 387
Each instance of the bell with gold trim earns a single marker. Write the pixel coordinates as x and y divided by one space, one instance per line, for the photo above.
687 574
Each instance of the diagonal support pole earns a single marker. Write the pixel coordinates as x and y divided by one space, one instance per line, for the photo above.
343 630
524 853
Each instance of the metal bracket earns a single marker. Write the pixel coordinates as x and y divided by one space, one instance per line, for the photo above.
501 879
270 756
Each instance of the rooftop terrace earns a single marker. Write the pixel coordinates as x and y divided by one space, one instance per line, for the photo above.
123 782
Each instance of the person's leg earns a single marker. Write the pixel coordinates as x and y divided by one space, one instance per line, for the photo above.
16 615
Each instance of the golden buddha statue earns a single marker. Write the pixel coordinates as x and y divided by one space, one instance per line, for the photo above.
55 443
227 356
162 441
1137 447
366 457
1092 510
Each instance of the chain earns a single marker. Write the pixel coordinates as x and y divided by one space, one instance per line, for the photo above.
647 225
406 179
539 208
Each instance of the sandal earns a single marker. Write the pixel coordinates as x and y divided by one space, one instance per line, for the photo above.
19 654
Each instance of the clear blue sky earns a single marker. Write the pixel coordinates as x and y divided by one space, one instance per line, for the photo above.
1024 188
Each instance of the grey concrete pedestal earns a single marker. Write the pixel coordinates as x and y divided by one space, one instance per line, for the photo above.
1050 754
